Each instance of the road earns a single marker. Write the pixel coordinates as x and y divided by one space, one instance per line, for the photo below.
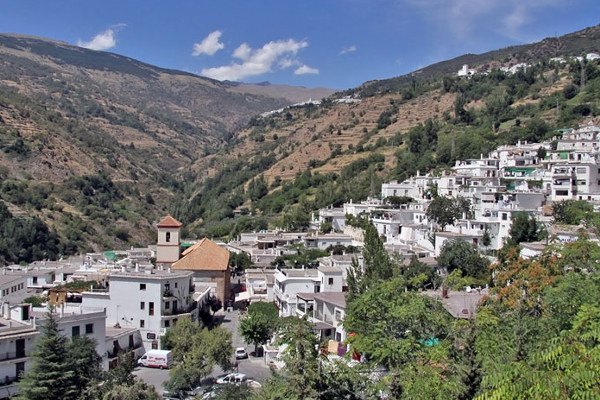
253 367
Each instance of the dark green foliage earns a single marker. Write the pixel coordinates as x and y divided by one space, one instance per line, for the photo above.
572 212
50 375
25 239
377 265
419 275
460 255
35 301
525 228
259 324
445 210
83 361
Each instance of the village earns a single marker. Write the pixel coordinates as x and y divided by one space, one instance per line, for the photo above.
128 299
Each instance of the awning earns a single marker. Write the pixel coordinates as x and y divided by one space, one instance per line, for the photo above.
320 325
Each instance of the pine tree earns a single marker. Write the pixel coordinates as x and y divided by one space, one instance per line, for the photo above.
50 376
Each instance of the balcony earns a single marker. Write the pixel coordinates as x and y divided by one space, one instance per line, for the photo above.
13 355
179 310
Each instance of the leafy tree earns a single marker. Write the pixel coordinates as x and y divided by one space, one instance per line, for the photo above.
567 369
571 212
460 255
389 326
197 355
300 357
445 211
419 275
259 324
50 376
137 391
377 264
177 338
525 228
83 361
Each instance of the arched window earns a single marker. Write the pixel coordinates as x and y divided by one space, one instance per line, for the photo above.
168 237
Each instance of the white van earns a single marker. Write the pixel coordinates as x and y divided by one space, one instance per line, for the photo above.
157 359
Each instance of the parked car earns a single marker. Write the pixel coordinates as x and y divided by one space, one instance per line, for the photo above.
240 353
232 378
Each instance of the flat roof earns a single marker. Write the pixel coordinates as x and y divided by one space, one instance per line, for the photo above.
156 274
335 298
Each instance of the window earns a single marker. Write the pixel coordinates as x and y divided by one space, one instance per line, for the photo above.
150 308
89 328
168 237
142 305
142 323
75 331
35 280
330 281
167 305
167 323
175 285
504 216
562 192
142 286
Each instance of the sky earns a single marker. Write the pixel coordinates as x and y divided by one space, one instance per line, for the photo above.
329 43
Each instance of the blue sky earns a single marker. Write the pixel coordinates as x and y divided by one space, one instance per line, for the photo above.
331 43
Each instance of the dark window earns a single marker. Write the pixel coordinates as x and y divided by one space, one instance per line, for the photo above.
150 308
75 331
35 280
168 237
175 285
167 305
331 281
89 328
142 286
142 323
142 305
504 216
167 323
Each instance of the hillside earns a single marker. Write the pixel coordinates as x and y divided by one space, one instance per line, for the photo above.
96 146
281 167
74 120
572 44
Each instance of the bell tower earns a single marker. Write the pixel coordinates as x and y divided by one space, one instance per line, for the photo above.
167 246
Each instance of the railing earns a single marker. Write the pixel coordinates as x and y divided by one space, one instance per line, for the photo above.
167 293
13 355
179 310
9 380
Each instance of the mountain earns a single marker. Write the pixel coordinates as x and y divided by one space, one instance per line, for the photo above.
293 94
572 44
285 165
97 145
122 132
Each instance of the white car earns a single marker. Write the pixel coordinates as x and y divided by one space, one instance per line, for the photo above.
240 353
232 378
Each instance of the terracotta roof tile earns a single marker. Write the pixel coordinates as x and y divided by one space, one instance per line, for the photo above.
169 222
205 255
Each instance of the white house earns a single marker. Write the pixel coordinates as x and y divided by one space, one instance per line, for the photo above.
150 300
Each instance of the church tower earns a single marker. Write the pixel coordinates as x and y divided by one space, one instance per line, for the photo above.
167 247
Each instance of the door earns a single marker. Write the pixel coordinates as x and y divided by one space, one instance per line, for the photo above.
20 348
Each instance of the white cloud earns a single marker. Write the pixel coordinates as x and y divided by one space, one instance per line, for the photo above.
242 52
465 18
349 49
102 41
256 61
305 69
209 45
288 62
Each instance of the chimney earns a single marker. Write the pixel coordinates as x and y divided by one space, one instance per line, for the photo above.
123 269
137 267
6 310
